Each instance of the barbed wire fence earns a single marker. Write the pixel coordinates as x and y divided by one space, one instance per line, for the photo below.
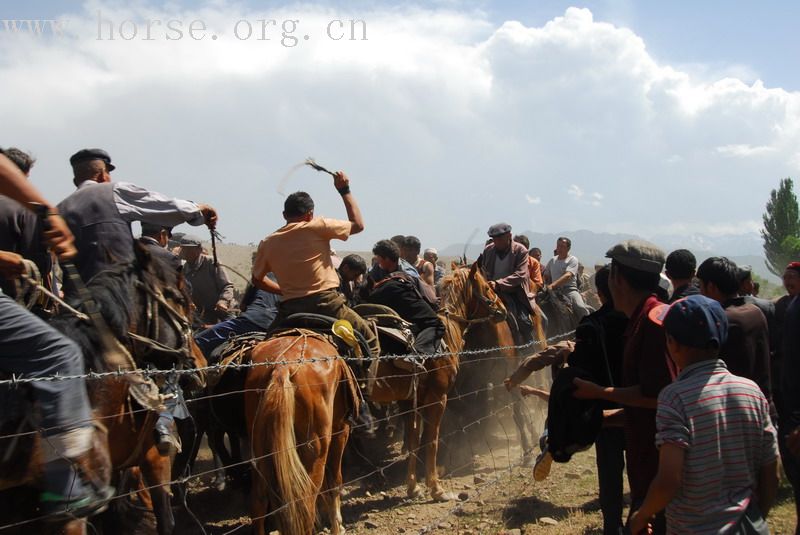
484 355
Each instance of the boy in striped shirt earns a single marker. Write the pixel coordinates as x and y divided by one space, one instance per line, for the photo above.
718 453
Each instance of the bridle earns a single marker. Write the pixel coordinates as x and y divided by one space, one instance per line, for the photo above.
495 313
155 302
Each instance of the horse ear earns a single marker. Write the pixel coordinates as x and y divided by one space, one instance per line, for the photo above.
473 269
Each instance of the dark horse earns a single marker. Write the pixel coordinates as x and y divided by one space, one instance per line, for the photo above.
145 307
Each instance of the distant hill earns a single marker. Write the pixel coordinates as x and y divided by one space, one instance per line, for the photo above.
590 247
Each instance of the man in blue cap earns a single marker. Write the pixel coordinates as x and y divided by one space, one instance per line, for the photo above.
717 446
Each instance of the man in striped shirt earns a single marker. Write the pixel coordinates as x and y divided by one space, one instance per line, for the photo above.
718 452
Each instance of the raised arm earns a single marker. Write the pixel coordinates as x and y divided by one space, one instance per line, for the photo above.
342 184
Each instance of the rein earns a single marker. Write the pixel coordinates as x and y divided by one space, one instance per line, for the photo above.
178 321
469 322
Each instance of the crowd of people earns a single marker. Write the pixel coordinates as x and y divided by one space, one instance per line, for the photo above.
693 391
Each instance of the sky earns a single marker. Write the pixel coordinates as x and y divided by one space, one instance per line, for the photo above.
648 118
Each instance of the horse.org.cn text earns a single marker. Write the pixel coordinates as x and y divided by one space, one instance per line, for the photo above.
261 29
35 28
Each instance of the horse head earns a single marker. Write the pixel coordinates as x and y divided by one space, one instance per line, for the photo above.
467 297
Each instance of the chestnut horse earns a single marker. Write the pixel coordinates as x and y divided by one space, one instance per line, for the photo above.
296 411
145 307
467 301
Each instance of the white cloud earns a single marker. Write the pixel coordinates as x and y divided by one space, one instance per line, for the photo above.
575 191
533 200
744 150
437 108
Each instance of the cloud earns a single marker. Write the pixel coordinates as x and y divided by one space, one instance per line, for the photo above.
437 108
533 200
744 151
575 191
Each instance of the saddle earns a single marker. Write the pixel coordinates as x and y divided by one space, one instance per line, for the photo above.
235 351
389 326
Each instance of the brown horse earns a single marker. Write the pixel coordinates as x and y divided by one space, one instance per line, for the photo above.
494 367
467 301
296 412
145 307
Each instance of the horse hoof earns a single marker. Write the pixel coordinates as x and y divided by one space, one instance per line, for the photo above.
414 492
443 496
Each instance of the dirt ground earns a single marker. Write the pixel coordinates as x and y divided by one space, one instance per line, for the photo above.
494 484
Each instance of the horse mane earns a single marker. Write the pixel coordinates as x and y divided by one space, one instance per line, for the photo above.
453 300
111 290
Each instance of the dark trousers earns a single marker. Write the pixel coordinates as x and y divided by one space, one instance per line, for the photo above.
426 342
519 319
29 347
610 449
790 466
331 303
215 336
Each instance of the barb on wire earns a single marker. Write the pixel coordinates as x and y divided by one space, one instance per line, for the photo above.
218 395
149 372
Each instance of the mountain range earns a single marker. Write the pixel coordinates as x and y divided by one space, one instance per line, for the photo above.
590 247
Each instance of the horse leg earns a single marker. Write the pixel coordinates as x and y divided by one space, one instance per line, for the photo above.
520 420
258 498
430 440
412 443
156 470
333 491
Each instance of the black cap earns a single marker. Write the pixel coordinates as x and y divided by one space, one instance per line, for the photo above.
152 228
499 229
87 155
190 241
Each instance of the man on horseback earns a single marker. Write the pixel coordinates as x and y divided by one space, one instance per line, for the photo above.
299 254
99 213
561 275
505 263
401 293
30 347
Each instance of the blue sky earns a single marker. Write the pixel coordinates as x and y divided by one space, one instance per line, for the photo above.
719 37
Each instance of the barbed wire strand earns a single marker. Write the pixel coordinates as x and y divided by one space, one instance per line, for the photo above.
17 380
185 479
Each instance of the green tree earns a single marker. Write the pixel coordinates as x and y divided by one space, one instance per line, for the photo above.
781 232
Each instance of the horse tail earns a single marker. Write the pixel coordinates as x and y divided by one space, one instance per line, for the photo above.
291 485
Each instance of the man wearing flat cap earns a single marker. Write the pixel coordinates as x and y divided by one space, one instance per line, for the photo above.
635 274
212 291
155 238
100 213
505 263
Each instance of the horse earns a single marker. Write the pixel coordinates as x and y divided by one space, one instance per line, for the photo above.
144 306
467 300
561 318
298 395
487 370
